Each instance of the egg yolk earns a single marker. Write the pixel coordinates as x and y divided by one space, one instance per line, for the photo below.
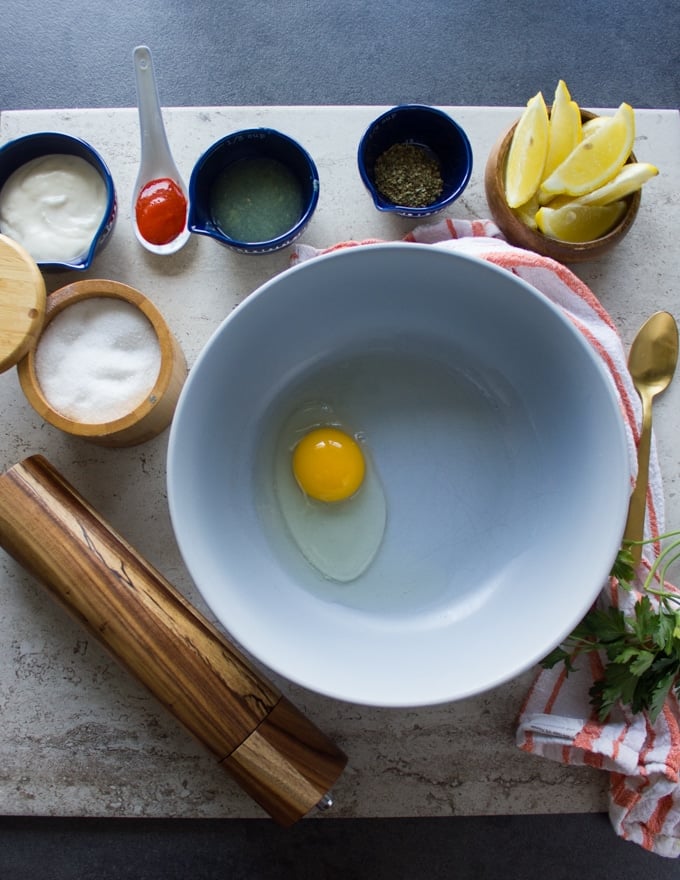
328 464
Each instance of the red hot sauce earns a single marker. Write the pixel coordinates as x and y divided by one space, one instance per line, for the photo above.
160 211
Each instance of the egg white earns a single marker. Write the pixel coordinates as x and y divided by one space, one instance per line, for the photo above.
340 540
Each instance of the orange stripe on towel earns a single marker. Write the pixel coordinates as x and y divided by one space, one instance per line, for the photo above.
556 690
528 744
654 825
616 746
513 260
624 797
342 245
626 403
583 291
585 739
591 731
451 227
643 781
673 757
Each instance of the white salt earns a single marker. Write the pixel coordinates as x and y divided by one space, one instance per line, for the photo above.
97 360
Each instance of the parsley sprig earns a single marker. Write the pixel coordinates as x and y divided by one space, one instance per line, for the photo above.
642 649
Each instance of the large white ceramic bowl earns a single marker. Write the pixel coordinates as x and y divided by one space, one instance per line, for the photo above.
498 441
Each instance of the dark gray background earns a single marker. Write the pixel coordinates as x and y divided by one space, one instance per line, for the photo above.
67 53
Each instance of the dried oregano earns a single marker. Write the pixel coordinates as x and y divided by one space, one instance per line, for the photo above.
408 175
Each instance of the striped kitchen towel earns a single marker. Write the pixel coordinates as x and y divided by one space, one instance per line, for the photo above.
557 720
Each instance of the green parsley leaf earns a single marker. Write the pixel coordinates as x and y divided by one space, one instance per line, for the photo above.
601 625
642 650
624 567
557 655
641 663
659 691
665 631
644 622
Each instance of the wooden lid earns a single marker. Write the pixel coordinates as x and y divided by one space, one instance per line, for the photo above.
22 302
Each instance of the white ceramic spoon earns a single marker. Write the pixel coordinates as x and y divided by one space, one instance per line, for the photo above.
156 160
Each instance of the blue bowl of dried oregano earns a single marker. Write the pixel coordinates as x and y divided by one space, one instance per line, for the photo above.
414 160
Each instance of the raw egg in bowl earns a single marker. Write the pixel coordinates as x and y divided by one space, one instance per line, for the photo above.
328 493
378 465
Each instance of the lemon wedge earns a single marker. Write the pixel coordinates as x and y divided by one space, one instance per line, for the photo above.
565 128
527 212
629 179
579 223
527 153
595 160
590 126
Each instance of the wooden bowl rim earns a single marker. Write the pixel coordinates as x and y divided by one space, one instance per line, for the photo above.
95 288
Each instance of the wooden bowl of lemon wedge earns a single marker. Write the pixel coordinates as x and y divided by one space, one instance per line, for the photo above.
564 182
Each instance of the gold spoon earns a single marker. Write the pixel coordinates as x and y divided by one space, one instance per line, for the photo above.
651 361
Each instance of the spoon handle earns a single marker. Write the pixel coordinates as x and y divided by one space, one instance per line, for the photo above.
150 118
638 500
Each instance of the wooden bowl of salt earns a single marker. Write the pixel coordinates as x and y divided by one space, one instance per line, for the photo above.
106 366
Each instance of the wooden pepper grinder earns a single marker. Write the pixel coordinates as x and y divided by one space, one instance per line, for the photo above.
278 756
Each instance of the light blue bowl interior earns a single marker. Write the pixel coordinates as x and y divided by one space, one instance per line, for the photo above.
497 438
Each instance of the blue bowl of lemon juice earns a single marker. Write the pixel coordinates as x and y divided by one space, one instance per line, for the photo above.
253 191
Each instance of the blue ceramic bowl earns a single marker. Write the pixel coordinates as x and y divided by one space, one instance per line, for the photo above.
255 143
426 127
31 146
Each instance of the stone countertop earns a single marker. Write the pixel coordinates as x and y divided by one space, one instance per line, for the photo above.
78 735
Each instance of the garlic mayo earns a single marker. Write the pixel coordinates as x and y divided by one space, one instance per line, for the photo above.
53 206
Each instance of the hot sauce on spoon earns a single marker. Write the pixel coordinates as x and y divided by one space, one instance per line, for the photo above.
160 211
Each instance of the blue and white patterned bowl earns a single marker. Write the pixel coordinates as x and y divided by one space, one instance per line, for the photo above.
427 127
31 146
250 144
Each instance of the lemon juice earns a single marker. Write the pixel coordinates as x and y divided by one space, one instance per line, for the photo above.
256 200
